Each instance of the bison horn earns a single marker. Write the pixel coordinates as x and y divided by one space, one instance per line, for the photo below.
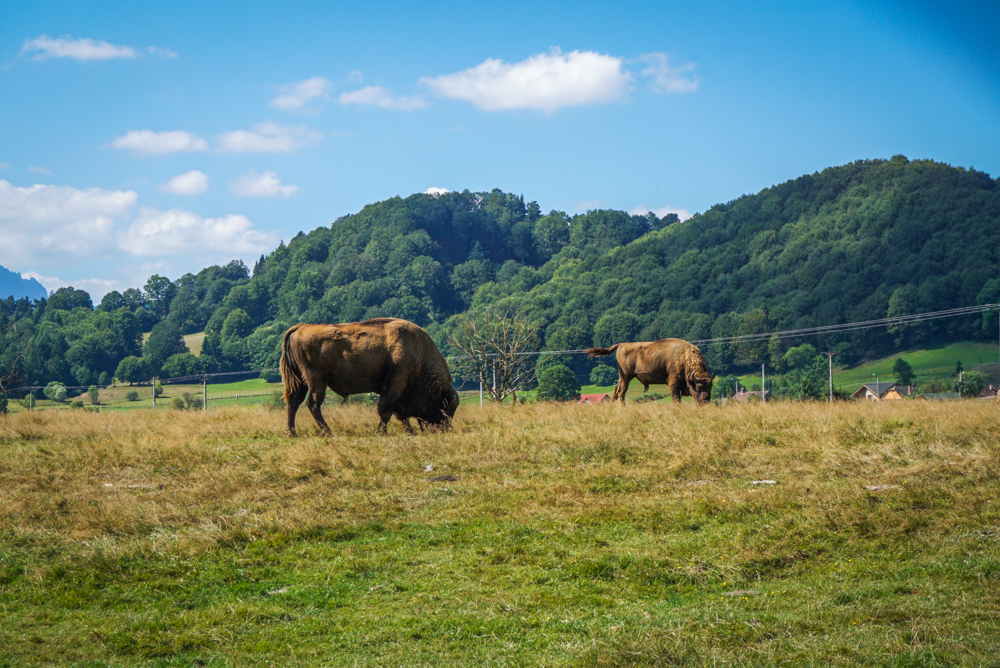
693 379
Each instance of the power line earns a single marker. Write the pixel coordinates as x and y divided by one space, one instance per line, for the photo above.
744 338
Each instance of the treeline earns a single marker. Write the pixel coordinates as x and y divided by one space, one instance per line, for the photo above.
863 241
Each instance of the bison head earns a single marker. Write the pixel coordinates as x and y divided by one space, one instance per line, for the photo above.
700 384
440 412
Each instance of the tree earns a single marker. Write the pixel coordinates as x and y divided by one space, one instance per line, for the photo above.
602 374
165 340
800 357
492 347
159 292
94 393
558 383
904 372
972 384
132 369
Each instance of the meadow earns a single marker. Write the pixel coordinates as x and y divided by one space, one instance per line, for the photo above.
541 534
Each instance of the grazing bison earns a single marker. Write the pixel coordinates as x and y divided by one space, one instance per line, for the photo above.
672 362
394 358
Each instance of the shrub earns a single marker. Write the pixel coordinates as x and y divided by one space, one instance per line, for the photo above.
192 401
271 376
177 404
158 390
602 374
276 401
94 393
132 395
76 404
55 391
558 383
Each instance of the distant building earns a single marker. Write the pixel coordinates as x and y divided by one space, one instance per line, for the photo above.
883 391
593 398
743 396
941 396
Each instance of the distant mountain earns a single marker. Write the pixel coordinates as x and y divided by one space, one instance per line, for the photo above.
12 285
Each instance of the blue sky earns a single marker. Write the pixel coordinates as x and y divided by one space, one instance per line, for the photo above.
142 138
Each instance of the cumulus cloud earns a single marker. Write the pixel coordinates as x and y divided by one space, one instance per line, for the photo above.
377 96
95 287
178 232
667 79
642 210
293 97
58 221
267 184
547 81
45 47
147 142
268 137
194 182
436 192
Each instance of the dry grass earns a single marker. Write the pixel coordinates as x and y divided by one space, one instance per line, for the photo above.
83 474
652 499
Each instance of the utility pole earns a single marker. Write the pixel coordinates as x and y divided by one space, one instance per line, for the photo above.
763 385
204 395
830 357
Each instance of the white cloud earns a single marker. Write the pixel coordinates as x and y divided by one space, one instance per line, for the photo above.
58 221
667 79
293 97
44 47
39 170
436 192
547 81
95 287
147 142
267 184
161 52
642 210
377 96
178 232
194 182
267 137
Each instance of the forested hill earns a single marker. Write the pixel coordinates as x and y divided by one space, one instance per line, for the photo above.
856 242
863 241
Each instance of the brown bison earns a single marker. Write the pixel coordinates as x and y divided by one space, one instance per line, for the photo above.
672 362
394 358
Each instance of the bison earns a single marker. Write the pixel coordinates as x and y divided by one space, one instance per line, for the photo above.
395 358
672 362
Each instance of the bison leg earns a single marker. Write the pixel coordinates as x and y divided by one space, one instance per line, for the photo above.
315 404
391 393
675 393
295 399
621 388
407 427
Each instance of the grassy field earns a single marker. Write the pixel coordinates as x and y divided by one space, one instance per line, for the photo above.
556 535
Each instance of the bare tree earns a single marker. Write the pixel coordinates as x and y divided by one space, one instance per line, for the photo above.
11 376
495 347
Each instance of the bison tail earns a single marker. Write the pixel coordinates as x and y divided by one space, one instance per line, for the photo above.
601 352
290 373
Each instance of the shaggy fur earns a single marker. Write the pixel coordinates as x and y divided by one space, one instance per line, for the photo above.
672 362
391 357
